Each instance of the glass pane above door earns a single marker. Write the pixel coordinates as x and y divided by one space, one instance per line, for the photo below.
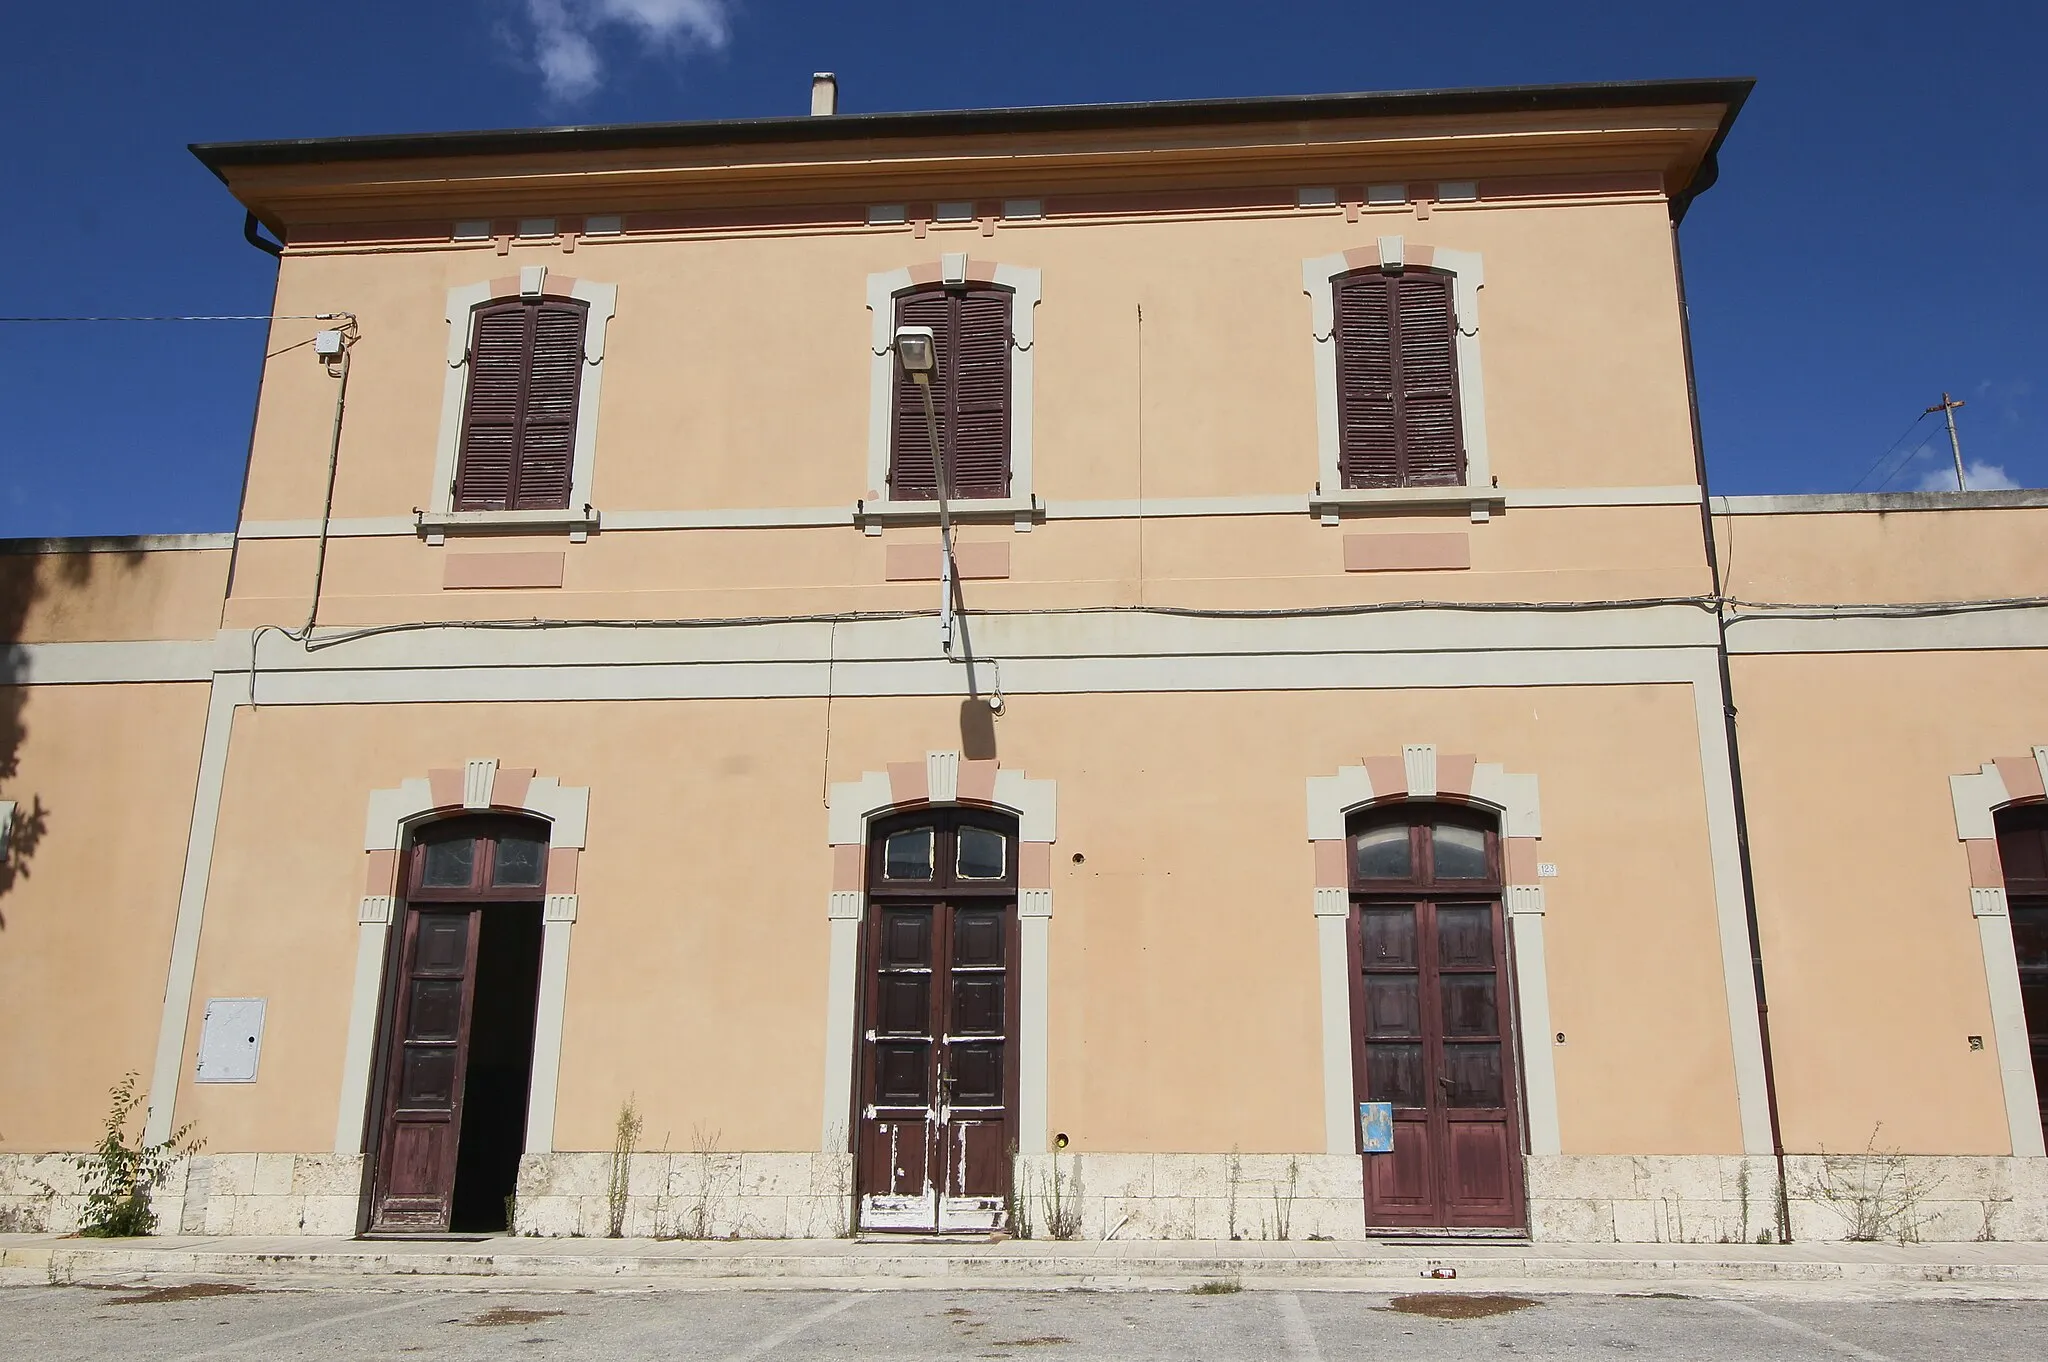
1382 854
981 854
908 855
519 861
1460 852
450 865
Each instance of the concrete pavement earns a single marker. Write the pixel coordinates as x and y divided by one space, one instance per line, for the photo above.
213 1324
506 1263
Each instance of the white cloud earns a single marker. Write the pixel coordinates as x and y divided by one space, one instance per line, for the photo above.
1982 477
566 32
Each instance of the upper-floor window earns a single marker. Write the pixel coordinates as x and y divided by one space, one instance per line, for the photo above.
970 396
1398 418
526 361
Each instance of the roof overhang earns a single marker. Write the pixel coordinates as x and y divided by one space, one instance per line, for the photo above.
1674 128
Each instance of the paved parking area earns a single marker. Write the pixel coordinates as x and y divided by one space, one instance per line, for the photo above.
207 1321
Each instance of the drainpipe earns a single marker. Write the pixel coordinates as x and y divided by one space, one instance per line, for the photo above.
256 238
1756 948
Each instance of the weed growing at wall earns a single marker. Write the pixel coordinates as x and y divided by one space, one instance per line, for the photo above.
1020 1196
1877 1193
1062 1202
1283 1200
625 1135
1233 1175
119 1177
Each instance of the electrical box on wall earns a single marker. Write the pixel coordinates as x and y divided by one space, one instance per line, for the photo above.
230 1040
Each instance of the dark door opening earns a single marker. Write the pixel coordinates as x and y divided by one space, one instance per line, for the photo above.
459 1028
500 1070
2023 852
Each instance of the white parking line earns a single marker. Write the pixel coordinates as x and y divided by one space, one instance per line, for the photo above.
1301 1340
764 1346
224 1349
1816 1335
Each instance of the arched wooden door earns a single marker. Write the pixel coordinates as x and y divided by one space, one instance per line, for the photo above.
937 1083
459 1014
1431 1018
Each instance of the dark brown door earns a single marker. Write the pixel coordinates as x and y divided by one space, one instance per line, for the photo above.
456 872
1431 1030
935 1124
2023 852
423 1113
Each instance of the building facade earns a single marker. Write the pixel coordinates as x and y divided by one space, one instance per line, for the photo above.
1351 778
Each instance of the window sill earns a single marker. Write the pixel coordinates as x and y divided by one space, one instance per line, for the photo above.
872 516
436 526
1331 506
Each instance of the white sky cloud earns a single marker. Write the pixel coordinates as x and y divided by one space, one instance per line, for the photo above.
565 44
1982 477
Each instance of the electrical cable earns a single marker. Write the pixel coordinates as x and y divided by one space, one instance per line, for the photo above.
215 317
1905 463
1753 609
1889 449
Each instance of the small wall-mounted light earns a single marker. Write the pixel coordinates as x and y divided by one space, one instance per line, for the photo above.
1059 1141
917 350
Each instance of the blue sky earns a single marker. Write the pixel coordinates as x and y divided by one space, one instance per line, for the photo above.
1876 236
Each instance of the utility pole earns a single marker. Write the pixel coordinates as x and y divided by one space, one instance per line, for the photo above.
1948 409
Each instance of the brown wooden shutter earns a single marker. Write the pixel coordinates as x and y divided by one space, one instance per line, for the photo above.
1432 452
1368 427
978 403
519 422
1397 380
911 477
497 393
970 395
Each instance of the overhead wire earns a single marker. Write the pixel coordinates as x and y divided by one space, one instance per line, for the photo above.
1745 609
200 317
1889 450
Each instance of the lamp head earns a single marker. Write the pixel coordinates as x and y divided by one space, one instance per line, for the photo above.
917 350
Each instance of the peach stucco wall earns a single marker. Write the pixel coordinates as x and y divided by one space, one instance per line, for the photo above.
79 595
1885 556
1212 394
1183 979
1533 554
1875 972
103 779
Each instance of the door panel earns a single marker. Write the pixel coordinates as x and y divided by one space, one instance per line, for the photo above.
415 1182
1431 980
1479 1165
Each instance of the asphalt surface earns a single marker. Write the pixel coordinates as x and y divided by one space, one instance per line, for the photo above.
191 1323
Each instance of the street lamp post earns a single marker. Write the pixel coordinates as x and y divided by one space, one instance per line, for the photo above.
917 351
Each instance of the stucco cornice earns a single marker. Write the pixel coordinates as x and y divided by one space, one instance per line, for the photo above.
1666 127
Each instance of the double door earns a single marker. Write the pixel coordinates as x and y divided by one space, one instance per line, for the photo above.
1433 1038
936 1127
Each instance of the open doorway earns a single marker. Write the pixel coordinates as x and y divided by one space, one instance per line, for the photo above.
459 1028
500 1069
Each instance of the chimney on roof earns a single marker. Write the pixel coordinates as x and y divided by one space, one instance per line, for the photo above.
824 94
